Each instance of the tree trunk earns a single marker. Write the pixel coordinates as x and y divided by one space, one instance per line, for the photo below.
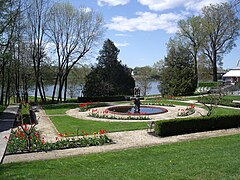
3 84
17 77
43 91
7 88
214 65
40 91
65 89
36 91
195 68
54 88
61 83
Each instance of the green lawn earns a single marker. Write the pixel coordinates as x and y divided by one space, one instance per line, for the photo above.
215 158
228 97
232 97
70 124
51 109
58 108
225 111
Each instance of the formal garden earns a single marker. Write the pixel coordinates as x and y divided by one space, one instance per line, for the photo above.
216 157
71 120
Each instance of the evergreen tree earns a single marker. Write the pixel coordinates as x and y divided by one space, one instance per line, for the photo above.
109 77
177 76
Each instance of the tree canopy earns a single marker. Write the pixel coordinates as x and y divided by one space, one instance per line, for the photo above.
177 76
221 27
212 34
109 77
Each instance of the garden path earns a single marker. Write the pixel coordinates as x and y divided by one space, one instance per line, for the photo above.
46 127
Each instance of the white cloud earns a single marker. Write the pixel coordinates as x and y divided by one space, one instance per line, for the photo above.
146 21
121 44
122 35
195 5
157 5
112 2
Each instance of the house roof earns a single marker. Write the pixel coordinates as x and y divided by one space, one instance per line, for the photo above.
233 73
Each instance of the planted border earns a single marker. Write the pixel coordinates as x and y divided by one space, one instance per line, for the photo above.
197 124
27 139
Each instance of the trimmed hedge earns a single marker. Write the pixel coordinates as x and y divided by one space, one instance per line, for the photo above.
198 124
101 99
209 84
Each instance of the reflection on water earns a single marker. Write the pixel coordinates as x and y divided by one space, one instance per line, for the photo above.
143 110
49 89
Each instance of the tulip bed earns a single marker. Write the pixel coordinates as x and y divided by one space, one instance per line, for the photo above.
27 139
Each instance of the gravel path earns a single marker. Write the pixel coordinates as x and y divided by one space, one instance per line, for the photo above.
46 127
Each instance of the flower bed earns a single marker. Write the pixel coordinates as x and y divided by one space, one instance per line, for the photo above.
88 105
186 112
27 139
106 115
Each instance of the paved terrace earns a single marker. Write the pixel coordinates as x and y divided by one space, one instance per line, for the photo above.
7 119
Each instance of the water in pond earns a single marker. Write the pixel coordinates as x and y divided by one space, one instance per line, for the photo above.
148 110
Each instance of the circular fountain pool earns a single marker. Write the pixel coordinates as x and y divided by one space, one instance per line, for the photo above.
146 110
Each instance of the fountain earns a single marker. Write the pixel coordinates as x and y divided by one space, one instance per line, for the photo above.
137 109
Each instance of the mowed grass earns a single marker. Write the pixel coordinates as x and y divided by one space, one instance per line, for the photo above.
214 158
232 97
70 124
51 109
225 111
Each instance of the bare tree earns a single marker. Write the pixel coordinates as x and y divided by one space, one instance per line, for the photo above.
192 32
8 17
221 26
36 22
73 32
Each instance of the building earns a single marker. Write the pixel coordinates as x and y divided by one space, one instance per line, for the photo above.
233 75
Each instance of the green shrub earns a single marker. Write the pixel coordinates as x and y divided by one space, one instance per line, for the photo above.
198 124
209 84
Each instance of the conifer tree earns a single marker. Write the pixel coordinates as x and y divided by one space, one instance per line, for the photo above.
109 77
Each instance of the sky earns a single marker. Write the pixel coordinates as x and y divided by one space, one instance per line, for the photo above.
140 29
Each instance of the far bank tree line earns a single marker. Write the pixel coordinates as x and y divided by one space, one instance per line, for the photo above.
42 41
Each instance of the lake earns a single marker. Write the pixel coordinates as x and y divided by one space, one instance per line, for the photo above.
49 89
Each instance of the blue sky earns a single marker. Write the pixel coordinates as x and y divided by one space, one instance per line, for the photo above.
142 28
